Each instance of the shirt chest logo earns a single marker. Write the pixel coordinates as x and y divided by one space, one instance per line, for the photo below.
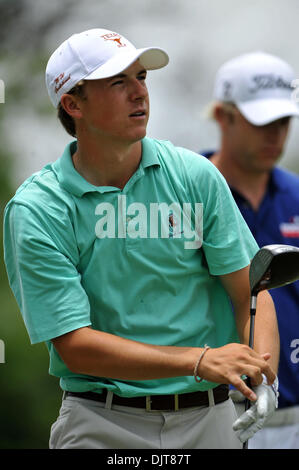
290 229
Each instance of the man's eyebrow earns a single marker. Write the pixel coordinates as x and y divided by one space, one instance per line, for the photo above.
120 75
123 75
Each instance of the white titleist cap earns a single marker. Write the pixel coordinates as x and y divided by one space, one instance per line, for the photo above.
93 54
259 84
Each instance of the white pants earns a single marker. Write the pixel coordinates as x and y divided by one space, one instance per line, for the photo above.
87 424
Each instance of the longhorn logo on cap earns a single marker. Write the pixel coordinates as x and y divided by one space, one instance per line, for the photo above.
114 37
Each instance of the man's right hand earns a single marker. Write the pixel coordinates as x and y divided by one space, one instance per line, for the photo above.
229 363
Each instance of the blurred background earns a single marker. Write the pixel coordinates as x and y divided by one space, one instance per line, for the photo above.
199 36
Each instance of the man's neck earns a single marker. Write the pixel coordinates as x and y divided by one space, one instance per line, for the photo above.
251 185
103 164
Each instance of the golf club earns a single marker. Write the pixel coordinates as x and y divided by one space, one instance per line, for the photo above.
272 266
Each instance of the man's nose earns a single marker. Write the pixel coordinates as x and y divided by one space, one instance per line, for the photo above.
138 90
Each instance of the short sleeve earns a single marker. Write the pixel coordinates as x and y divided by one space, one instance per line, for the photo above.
42 276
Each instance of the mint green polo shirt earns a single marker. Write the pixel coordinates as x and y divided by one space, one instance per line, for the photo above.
142 263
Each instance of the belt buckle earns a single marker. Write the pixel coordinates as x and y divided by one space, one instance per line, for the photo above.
148 403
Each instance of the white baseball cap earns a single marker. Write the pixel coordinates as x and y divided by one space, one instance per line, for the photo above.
93 54
260 85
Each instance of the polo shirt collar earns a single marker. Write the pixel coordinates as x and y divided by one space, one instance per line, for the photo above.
275 185
149 153
75 184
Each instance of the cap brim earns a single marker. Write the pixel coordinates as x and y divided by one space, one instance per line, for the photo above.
151 58
261 112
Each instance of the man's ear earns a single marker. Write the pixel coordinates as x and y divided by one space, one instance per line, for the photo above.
71 105
223 116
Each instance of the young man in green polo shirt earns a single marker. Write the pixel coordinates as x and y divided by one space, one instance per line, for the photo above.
125 256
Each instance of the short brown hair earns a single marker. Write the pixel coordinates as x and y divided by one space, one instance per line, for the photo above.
227 107
66 120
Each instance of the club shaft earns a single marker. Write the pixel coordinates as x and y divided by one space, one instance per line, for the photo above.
251 330
251 343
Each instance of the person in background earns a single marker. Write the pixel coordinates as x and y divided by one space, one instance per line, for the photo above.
253 107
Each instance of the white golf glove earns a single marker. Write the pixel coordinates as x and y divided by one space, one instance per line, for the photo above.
253 419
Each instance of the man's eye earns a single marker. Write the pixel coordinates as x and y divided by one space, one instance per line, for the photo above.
117 81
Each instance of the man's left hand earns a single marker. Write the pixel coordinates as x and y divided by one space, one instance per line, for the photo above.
254 418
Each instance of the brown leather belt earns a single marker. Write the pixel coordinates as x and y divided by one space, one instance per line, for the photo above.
159 402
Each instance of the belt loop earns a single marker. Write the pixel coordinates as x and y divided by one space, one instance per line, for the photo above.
148 402
176 402
211 397
109 399
63 395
